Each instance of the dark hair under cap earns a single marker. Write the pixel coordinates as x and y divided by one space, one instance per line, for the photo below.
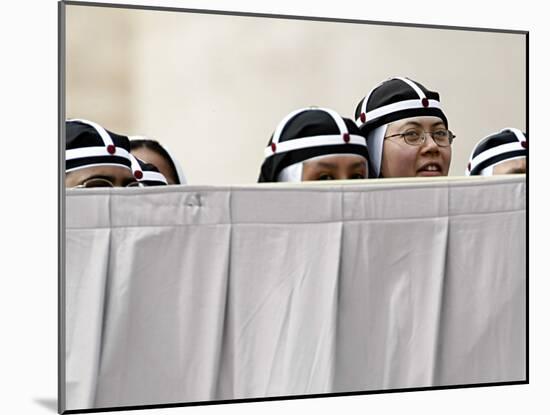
308 133
155 146
396 99
88 144
506 144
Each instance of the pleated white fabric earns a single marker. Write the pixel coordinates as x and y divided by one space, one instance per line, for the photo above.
186 294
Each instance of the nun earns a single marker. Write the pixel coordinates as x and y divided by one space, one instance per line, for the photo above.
503 152
147 174
406 130
95 157
314 144
152 152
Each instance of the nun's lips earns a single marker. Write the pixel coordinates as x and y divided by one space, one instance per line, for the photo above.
429 169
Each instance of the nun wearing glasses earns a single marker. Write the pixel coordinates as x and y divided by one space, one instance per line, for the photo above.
406 129
315 144
95 157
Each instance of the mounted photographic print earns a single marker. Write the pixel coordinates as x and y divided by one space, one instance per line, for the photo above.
270 207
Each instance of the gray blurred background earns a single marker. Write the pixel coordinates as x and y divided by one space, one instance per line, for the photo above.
212 88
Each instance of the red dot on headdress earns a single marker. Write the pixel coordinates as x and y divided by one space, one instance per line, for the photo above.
469 166
138 174
425 102
363 117
111 149
345 136
524 144
273 147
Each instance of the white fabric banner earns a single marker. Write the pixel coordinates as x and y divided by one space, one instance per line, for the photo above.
184 293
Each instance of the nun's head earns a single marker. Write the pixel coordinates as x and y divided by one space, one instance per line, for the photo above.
504 152
406 130
315 144
152 152
146 173
95 157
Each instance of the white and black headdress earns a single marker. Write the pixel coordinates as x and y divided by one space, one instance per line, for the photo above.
309 133
146 173
507 144
88 144
394 99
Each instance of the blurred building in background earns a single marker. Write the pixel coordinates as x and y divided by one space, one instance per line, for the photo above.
213 87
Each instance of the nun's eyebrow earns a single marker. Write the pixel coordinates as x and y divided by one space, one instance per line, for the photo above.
358 164
411 123
516 170
324 164
99 176
327 165
417 124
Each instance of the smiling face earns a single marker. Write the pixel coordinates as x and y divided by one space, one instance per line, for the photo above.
400 159
337 167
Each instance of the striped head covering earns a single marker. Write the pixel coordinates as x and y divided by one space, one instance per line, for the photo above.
88 144
507 144
146 173
394 99
305 134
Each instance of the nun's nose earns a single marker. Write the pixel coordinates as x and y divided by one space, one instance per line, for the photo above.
429 144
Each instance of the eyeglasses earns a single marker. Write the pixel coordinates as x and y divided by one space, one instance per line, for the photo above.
443 138
98 182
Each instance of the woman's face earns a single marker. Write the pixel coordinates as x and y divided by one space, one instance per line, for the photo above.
343 167
400 159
